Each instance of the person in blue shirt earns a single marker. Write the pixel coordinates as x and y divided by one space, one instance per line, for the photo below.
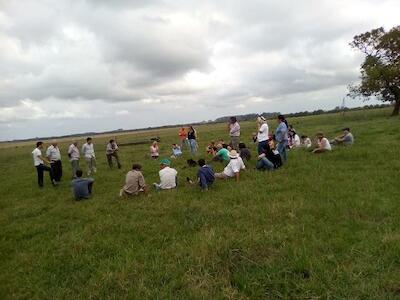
281 137
176 151
205 175
81 187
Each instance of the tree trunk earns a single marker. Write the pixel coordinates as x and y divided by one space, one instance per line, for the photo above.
396 108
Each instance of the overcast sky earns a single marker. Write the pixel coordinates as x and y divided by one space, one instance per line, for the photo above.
70 66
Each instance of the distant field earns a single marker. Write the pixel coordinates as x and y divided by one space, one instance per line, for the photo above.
325 226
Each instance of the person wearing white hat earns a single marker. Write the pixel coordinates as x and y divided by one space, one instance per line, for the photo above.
233 168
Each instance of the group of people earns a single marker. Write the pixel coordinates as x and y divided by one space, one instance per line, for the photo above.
271 154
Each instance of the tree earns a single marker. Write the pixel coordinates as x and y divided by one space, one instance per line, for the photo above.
380 71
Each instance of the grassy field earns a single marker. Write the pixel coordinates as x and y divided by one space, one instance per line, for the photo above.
323 226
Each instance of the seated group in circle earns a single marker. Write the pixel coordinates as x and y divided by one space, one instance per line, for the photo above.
271 150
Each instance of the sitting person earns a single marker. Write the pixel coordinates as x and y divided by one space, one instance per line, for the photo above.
269 159
233 168
346 139
205 175
323 144
154 150
244 152
81 187
306 141
211 148
222 154
134 182
176 151
168 176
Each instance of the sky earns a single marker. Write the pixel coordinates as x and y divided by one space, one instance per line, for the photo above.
72 66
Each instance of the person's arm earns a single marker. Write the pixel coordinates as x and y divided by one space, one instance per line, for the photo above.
44 159
262 155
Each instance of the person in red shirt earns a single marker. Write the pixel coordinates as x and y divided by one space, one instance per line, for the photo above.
183 136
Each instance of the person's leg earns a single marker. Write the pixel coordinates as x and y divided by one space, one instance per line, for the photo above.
235 142
220 175
58 166
109 160
74 167
39 171
117 158
267 164
89 165
94 164
261 146
90 186
54 171
281 147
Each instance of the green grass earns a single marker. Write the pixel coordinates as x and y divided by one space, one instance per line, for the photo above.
323 226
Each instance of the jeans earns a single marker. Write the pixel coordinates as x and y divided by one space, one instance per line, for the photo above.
193 145
264 164
56 168
110 162
281 147
74 167
261 146
40 170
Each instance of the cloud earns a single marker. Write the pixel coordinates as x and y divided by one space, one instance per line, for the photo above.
58 60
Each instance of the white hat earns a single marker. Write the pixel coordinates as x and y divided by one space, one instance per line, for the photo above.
233 154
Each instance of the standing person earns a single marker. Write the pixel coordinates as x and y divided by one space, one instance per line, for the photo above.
134 182
89 155
262 134
233 168
234 132
168 176
81 187
183 136
154 150
38 162
192 138
112 151
281 137
74 156
323 144
54 156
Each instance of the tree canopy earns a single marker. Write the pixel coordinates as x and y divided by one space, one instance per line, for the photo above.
380 71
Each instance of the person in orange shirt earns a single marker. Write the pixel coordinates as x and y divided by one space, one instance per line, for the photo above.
183 136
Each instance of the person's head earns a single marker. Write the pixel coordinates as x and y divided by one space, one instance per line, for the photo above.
89 140
201 162
164 163
74 142
303 137
320 135
233 154
232 120
136 167
281 118
39 145
54 143
155 144
261 120
79 173
112 141
346 130
219 146
242 145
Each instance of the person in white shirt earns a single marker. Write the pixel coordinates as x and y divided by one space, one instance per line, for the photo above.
323 144
38 162
54 156
89 155
306 141
168 176
112 151
234 132
74 156
233 168
262 134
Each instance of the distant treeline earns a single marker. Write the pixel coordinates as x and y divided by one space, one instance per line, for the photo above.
246 117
